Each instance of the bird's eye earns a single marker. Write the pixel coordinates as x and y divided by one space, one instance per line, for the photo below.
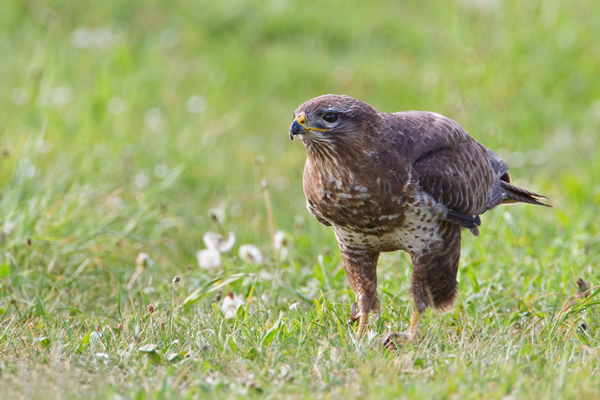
330 117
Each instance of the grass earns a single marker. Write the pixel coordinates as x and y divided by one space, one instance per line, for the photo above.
124 128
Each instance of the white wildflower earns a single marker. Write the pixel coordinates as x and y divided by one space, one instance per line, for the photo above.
196 104
230 305
217 214
215 241
281 245
115 105
250 254
142 260
294 306
209 259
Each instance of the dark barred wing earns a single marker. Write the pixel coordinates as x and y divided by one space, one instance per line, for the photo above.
452 167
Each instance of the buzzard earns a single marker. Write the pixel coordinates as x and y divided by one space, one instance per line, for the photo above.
407 181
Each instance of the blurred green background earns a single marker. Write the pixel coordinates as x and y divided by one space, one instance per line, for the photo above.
125 87
123 123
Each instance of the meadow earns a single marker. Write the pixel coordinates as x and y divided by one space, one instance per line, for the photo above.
131 128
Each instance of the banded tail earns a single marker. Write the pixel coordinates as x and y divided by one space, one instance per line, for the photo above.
512 194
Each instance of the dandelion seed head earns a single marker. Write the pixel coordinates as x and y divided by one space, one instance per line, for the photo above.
215 241
217 214
250 254
280 240
209 259
142 260
230 305
281 245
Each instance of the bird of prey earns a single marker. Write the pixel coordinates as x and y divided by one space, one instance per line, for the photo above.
407 181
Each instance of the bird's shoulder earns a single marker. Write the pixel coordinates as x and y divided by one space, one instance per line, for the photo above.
447 163
420 132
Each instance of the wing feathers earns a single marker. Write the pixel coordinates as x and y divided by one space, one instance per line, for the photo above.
466 221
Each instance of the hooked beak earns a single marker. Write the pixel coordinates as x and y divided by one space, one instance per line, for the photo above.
298 127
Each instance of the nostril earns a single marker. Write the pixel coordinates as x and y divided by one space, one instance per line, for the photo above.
301 119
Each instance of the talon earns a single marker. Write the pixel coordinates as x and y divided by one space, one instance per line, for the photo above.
354 314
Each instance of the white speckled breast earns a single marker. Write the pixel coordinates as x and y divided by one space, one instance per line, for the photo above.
419 230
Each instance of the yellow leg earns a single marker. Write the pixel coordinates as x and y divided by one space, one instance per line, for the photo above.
362 324
414 324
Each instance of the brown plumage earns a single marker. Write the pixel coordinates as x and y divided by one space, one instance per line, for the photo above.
404 181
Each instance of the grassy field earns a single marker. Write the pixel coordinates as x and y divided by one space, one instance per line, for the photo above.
137 127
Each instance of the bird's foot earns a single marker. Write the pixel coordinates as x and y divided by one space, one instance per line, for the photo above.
393 341
354 314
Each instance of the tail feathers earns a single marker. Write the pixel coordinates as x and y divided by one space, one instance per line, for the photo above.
512 194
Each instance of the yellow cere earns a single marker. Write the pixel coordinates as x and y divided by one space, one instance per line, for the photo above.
301 119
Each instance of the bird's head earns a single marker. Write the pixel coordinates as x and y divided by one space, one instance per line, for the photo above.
333 121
